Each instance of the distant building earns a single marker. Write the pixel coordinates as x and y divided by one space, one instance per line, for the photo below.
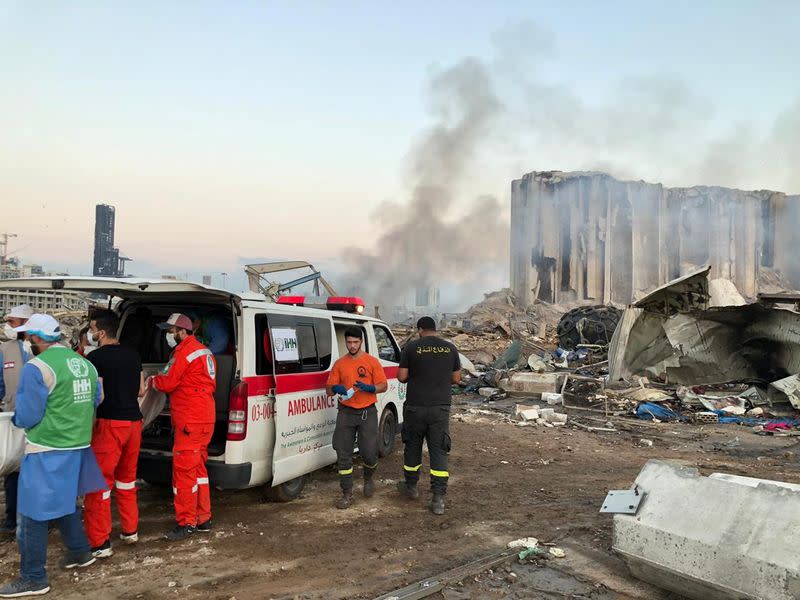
206 279
107 259
427 297
45 301
171 278
13 269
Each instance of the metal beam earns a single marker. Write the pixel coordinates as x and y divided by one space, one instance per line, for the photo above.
432 585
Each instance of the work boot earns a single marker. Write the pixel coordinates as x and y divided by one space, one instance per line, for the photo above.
181 532
369 487
407 490
21 588
346 500
437 504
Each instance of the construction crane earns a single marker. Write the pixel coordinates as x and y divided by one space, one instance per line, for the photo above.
272 289
4 237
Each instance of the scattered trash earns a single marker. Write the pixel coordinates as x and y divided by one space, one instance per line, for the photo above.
645 442
528 542
557 552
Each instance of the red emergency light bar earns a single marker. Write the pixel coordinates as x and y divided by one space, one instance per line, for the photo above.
350 304
292 300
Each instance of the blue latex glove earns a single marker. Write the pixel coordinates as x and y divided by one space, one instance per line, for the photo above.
365 387
339 389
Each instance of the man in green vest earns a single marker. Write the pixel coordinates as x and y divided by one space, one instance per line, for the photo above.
56 399
13 355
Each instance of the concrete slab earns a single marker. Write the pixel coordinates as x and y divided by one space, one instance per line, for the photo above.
530 384
712 538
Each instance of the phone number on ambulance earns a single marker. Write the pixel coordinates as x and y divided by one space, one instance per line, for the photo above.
263 411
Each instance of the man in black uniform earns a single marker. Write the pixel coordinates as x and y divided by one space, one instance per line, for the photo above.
430 365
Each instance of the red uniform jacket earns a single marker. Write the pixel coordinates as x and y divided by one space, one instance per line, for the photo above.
190 380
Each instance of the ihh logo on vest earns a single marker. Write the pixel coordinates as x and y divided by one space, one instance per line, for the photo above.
82 390
78 367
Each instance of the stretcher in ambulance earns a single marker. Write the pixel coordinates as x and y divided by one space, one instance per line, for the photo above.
274 420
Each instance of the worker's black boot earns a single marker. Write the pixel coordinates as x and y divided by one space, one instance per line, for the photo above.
408 490
346 500
437 504
369 486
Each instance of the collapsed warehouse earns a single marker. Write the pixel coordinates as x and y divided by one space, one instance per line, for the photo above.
588 237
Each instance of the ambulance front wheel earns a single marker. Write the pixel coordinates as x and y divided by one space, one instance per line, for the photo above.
387 432
287 491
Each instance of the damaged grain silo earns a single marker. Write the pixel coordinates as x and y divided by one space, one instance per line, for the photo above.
587 237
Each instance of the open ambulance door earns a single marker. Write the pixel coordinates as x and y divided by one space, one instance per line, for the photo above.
304 415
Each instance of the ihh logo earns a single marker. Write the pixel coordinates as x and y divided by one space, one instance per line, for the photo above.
81 387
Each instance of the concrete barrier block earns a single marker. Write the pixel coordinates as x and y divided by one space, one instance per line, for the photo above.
712 538
530 384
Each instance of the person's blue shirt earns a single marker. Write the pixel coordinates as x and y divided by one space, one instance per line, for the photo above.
50 482
215 334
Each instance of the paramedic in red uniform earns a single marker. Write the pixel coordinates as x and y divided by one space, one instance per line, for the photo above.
189 379
117 435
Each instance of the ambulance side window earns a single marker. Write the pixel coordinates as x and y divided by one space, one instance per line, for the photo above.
312 337
307 341
264 364
387 348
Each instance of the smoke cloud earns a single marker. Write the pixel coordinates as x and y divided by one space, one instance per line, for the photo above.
499 118
433 239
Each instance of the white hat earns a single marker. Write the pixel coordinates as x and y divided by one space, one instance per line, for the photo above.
23 311
41 324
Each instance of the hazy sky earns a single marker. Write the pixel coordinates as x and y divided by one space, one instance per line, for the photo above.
227 130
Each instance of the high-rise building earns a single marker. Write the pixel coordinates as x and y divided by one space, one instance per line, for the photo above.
427 297
107 261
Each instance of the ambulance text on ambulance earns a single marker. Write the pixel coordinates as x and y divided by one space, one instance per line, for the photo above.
317 402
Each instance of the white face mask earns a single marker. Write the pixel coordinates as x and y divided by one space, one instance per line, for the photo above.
9 331
93 341
26 345
171 341
88 350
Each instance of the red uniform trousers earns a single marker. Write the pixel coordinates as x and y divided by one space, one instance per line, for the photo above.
189 474
116 446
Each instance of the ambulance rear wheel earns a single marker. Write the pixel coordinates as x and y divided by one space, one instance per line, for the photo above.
387 432
287 491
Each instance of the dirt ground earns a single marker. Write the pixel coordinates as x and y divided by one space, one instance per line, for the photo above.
506 482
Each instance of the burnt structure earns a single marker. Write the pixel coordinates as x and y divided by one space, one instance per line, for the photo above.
107 259
585 236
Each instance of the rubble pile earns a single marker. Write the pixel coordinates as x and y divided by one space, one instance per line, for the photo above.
691 351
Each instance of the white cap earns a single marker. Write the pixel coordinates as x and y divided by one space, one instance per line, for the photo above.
23 311
41 324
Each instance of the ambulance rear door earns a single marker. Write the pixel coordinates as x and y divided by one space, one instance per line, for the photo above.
304 415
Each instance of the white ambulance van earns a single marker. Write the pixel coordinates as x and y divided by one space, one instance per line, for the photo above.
274 421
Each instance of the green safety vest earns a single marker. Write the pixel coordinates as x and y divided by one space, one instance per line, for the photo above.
68 417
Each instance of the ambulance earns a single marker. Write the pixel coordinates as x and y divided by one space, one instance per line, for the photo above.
274 420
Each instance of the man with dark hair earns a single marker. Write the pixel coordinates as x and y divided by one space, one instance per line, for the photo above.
117 434
430 366
356 379
190 379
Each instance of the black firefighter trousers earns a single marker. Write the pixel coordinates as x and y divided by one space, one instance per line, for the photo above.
432 425
352 422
